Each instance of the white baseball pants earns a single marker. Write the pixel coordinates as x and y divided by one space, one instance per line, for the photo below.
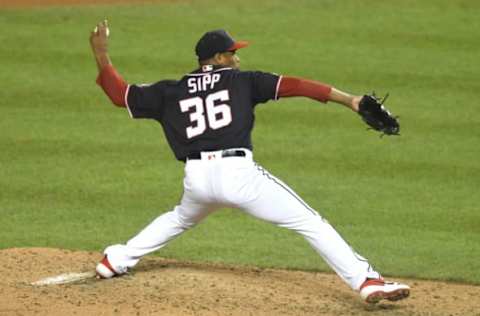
213 182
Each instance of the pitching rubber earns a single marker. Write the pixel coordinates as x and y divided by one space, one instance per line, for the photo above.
64 278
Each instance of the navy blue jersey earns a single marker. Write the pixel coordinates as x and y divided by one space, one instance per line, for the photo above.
208 109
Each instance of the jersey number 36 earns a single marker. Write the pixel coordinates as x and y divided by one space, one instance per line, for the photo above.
218 115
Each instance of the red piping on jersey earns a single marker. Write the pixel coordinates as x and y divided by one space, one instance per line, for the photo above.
298 87
116 88
277 88
126 101
113 85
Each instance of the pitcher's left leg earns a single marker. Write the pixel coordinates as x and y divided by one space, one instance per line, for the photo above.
119 258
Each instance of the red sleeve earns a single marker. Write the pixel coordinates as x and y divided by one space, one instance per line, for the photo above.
113 85
298 87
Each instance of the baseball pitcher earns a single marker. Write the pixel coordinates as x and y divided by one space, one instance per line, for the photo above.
207 117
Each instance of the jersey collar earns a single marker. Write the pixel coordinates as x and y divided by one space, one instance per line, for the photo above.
208 68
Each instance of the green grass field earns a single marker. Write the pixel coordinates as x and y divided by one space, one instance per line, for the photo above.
77 173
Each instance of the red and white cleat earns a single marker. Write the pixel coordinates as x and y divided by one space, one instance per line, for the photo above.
105 270
375 290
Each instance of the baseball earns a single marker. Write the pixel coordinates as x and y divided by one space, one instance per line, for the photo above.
107 31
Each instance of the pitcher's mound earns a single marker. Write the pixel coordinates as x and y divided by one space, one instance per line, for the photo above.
167 287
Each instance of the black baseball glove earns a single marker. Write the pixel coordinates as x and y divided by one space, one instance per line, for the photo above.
373 113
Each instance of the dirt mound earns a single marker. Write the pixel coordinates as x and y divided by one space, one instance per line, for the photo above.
167 287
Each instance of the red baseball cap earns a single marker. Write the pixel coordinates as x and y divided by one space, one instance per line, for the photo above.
217 41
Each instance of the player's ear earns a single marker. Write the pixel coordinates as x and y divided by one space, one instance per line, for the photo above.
218 58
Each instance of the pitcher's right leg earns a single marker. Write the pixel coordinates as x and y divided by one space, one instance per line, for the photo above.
275 202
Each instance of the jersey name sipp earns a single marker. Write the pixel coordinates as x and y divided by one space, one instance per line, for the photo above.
202 83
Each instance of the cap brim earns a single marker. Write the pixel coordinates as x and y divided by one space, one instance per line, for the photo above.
238 45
